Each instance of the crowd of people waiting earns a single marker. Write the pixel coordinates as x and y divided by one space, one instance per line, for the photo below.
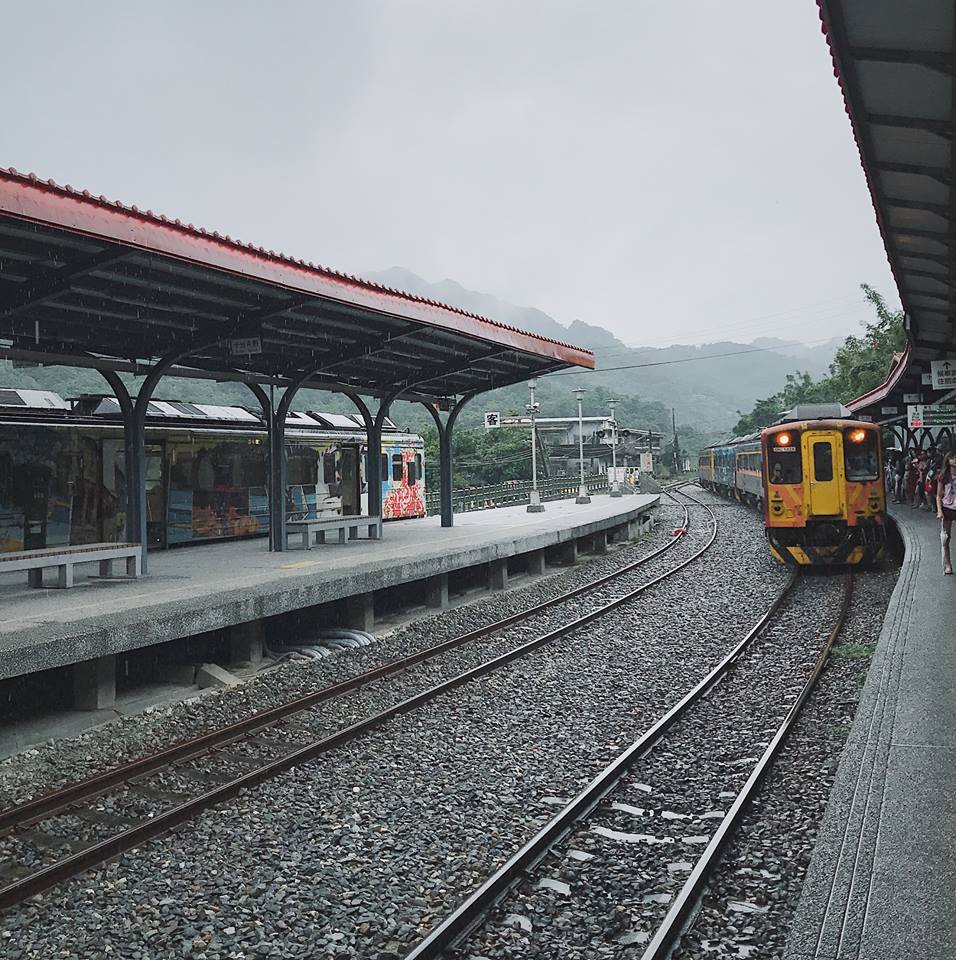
926 480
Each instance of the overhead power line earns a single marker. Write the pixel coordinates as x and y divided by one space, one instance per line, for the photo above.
667 363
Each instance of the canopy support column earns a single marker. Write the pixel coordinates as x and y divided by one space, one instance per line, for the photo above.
132 468
268 415
137 479
445 457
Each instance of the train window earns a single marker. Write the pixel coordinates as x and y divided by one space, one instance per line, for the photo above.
412 474
823 461
397 463
300 466
784 463
384 466
328 468
419 472
860 455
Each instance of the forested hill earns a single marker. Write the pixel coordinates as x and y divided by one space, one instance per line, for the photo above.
706 391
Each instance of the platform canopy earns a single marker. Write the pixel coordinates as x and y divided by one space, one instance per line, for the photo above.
90 281
896 65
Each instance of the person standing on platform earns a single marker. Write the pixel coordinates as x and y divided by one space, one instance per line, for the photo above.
912 477
899 477
946 506
919 493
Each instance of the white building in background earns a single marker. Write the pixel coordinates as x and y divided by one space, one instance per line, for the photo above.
559 437
561 431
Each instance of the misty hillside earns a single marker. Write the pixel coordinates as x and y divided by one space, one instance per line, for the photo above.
710 391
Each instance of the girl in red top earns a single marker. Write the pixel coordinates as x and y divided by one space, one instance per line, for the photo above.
946 506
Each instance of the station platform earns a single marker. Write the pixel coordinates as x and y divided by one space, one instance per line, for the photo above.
194 590
882 881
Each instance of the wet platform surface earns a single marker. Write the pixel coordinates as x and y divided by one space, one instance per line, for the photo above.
200 588
882 882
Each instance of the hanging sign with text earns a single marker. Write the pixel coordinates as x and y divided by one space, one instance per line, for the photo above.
245 346
931 415
943 374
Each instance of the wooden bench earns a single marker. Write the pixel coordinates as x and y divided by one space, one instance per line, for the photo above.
344 525
66 558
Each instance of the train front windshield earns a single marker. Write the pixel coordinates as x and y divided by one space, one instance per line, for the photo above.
784 463
861 455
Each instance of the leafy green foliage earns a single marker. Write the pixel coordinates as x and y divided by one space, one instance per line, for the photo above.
480 456
860 365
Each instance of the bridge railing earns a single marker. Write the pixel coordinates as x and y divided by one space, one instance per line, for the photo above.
513 492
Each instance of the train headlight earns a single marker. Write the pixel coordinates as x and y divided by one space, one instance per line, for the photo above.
783 440
857 436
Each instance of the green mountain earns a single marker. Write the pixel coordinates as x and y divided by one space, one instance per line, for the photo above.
705 388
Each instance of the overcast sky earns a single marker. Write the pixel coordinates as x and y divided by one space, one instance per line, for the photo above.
677 171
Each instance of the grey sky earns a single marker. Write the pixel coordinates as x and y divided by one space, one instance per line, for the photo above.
672 171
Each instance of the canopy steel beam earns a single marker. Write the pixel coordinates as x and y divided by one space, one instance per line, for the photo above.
932 60
946 239
929 275
917 169
942 209
58 283
455 367
942 128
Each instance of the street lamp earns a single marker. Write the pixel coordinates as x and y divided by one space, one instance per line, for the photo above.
582 496
615 487
534 503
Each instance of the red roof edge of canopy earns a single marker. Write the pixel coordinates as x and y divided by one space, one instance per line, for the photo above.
27 197
898 367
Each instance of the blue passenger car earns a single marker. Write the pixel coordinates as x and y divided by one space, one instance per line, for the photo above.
725 468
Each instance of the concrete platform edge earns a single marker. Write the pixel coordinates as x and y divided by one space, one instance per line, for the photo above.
48 645
828 923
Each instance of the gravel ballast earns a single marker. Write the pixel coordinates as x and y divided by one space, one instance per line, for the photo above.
43 768
360 852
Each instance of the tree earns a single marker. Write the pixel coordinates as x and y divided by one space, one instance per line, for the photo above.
860 365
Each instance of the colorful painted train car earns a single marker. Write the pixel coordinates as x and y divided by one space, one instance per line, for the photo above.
817 477
63 474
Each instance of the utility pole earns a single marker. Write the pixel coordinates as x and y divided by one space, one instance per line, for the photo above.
677 458
534 502
582 496
615 487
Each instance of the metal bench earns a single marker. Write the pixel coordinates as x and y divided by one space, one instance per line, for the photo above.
66 558
345 526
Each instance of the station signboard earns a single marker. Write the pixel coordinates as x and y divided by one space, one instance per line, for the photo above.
931 415
888 411
912 398
647 462
943 374
492 420
245 346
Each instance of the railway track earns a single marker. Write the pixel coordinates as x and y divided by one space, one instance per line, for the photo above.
517 875
60 834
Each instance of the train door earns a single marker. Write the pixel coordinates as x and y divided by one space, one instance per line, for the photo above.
824 458
351 492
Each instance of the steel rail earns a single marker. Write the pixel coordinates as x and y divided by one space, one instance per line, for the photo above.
31 810
682 911
100 851
472 910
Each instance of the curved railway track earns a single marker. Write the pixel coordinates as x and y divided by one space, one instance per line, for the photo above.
452 933
83 800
